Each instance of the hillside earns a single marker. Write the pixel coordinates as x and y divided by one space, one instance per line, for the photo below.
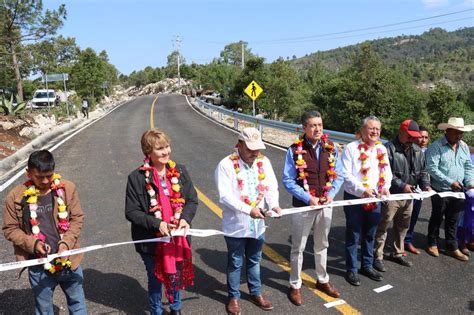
432 56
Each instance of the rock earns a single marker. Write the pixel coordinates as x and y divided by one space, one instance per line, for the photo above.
168 85
41 124
28 132
7 125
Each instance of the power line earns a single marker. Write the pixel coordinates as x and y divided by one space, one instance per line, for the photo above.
293 39
365 34
361 29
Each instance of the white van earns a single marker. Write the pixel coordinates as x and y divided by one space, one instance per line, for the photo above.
42 98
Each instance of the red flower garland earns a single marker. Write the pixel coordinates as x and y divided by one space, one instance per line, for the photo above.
176 200
364 170
240 181
301 166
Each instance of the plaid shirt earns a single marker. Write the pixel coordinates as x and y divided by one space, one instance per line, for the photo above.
446 166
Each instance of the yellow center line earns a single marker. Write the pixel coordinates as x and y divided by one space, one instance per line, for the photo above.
152 120
269 252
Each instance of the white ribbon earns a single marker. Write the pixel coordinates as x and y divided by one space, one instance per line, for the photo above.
207 233
165 239
351 202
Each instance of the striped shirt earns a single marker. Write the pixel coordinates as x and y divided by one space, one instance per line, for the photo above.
447 166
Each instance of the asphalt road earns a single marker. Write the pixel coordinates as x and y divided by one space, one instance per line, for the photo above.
99 159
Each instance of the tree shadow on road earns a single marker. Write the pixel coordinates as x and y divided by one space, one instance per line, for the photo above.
115 290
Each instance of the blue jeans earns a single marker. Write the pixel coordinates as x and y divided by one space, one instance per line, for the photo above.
236 249
43 284
361 226
155 288
414 217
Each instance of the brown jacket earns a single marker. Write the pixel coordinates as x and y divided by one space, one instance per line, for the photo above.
16 231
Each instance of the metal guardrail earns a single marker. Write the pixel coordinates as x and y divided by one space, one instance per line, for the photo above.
336 136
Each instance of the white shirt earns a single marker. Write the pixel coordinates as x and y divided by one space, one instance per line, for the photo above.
236 220
351 166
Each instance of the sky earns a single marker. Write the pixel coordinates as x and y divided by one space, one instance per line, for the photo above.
141 33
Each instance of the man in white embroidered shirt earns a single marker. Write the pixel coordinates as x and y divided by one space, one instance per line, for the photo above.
367 174
246 181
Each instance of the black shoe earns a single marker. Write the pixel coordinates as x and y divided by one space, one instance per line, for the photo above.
379 265
352 278
372 274
173 312
402 261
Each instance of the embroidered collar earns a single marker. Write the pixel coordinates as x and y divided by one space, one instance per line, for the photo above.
261 188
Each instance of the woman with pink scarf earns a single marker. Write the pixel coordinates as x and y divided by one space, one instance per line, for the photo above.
160 199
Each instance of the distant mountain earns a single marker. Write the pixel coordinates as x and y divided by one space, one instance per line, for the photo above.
433 56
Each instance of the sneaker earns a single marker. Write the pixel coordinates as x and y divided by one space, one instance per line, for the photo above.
372 274
379 265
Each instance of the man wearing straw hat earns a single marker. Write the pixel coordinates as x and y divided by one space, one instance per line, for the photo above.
449 165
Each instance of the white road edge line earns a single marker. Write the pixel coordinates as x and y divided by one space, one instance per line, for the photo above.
228 128
335 303
21 172
383 288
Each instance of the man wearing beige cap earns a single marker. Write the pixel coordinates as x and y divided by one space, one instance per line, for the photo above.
245 181
449 165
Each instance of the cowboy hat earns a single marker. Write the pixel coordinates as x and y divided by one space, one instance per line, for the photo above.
455 123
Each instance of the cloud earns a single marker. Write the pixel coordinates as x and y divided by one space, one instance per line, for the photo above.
430 4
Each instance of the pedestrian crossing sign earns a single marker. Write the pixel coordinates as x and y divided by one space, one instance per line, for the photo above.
253 90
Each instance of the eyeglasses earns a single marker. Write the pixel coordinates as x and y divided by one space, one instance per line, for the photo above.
373 129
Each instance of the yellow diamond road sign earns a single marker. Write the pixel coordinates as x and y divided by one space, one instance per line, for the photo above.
253 90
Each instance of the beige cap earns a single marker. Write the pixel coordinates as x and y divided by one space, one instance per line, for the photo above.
252 138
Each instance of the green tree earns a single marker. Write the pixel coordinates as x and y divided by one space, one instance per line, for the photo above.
26 21
218 76
172 64
445 102
110 72
53 55
232 53
285 94
254 70
88 74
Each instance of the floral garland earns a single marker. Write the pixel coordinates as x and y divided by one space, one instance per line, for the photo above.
301 165
63 222
176 200
240 180
364 170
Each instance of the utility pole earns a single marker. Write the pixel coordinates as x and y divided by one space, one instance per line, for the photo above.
243 49
178 46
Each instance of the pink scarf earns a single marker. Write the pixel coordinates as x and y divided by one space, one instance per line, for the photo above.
173 261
